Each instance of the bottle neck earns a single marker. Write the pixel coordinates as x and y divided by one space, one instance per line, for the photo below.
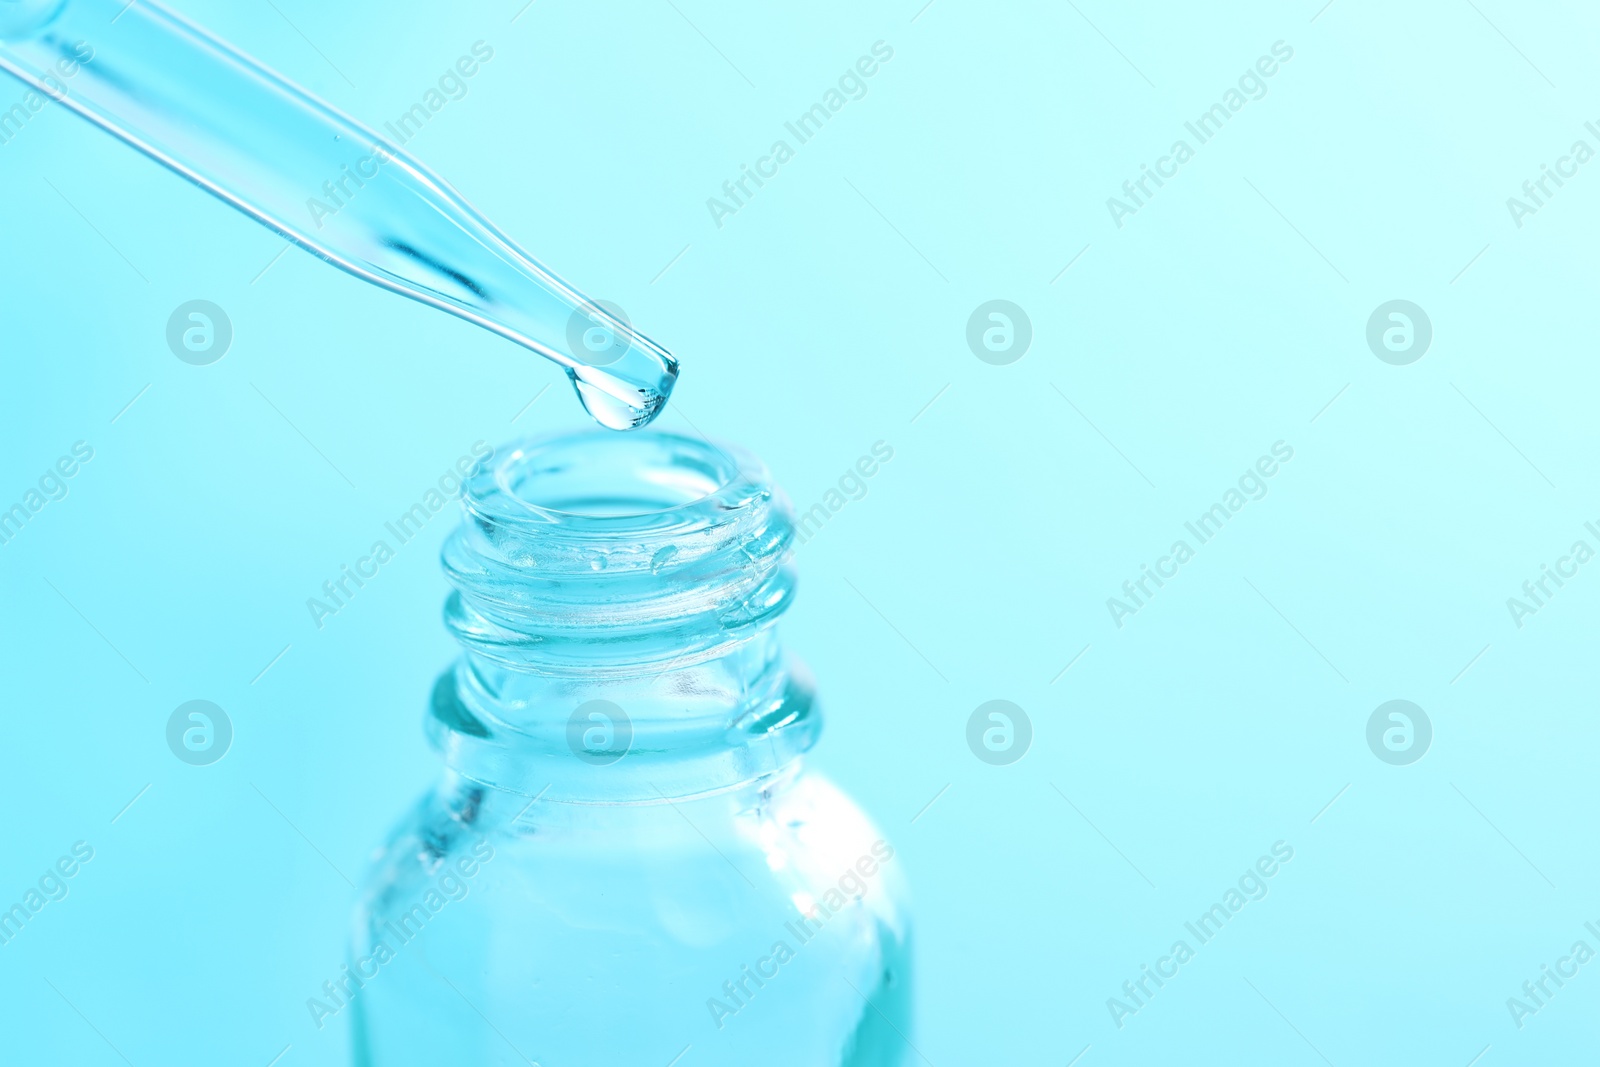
618 642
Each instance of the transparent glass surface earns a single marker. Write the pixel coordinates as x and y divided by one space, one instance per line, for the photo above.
324 181
625 859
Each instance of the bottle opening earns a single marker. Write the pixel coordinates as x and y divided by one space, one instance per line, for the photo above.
596 548
604 476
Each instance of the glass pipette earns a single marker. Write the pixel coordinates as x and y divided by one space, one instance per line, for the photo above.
324 181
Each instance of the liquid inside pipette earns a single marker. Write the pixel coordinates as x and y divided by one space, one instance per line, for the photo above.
266 146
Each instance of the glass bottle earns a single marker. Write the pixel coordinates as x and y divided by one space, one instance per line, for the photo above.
625 860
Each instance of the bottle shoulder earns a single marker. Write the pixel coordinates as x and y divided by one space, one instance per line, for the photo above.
789 842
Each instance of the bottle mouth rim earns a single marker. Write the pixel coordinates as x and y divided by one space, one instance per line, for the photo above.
598 480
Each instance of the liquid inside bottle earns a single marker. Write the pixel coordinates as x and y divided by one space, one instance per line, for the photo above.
625 856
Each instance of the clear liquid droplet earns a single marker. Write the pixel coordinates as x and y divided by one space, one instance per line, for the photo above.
627 394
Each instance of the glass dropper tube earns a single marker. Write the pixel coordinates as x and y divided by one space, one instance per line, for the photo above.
324 181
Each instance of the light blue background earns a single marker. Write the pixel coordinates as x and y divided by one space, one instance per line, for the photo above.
1223 317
